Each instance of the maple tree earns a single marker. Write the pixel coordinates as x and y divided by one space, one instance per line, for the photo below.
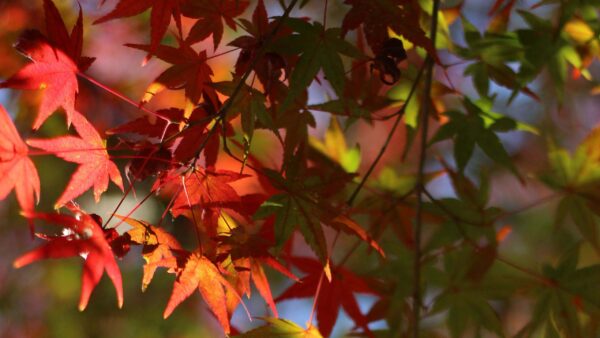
253 199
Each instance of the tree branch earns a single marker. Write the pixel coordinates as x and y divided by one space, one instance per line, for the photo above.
426 106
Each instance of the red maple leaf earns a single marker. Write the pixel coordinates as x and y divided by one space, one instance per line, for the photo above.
83 237
56 61
51 70
89 151
189 71
247 269
160 17
185 147
339 292
199 272
207 188
16 169
202 194
271 65
209 14
248 253
59 37
402 16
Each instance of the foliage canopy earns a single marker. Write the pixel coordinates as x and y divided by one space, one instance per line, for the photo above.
229 139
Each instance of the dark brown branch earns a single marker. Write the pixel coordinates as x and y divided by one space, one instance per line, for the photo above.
426 106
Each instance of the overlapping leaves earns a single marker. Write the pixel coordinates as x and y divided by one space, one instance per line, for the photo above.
239 233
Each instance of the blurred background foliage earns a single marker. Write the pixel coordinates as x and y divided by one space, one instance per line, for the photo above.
40 300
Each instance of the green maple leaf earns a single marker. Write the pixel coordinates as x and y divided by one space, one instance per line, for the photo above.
579 175
293 213
297 208
318 48
477 127
491 52
568 293
279 327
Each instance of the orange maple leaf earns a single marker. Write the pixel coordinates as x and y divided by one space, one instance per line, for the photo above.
158 246
199 272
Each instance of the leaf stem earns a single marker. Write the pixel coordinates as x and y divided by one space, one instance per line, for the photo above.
137 206
187 197
325 15
121 96
420 187
316 300
382 150
468 240
354 246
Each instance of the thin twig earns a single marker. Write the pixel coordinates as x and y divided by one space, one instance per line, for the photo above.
325 15
121 96
471 242
393 204
399 116
529 206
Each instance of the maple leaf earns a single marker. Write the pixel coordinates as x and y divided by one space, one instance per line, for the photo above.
56 61
320 49
334 146
160 17
189 71
59 37
89 151
402 16
361 96
198 133
247 252
278 327
299 209
209 14
178 133
16 169
500 13
362 93
199 272
567 290
293 213
247 269
339 292
83 237
158 245
207 188
478 127
51 70
271 65
242 244
250 103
